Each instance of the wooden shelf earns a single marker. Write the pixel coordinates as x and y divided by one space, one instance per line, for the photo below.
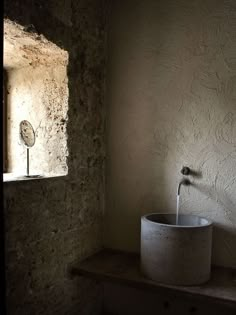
124 268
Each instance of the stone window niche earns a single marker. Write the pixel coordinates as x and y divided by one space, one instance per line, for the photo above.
37 91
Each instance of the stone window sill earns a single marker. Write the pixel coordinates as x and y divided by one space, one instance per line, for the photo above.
11 177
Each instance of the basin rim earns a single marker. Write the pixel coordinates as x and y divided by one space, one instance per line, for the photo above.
146 219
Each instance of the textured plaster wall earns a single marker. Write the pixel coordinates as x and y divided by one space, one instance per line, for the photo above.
172 102
51 223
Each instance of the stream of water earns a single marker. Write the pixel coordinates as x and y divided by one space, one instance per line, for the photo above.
177 210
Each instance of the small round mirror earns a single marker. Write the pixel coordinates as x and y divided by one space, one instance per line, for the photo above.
27 133
27 136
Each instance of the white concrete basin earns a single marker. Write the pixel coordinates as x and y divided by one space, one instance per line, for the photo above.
176 254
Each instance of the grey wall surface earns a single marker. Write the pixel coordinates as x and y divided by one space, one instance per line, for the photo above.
172 102
51 223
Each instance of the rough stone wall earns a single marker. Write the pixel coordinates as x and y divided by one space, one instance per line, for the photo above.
53 222
172 103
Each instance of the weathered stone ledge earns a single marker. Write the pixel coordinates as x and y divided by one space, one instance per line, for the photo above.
124 268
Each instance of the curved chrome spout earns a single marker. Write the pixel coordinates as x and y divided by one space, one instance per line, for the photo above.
185 182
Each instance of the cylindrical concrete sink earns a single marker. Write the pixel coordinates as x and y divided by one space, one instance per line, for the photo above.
176 254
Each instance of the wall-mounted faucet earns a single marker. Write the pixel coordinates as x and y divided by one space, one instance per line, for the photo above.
185 171
185 182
